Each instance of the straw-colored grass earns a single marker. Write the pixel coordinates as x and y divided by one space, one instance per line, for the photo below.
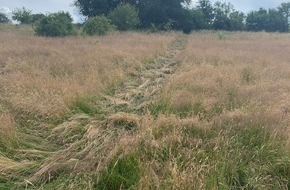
43 76
237 91
219 117
45 80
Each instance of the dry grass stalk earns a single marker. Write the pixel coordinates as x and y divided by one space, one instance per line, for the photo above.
7 130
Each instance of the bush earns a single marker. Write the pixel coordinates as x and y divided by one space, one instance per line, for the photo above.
55 25
125 17
98 25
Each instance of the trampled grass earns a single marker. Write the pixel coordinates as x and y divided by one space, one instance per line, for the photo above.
219 121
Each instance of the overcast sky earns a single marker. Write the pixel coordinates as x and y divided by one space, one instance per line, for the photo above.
46 6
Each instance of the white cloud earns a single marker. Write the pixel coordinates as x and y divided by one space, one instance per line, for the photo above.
5 10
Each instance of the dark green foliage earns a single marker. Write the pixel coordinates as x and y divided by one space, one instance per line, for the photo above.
186 23
98 25
205 13
125 17
25 16
122 173
3 19
222 12
55 25
22 15
157 12
237 21
161 12
36 17
175 14
271 21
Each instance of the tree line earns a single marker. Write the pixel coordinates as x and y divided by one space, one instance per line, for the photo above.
176 14
104 15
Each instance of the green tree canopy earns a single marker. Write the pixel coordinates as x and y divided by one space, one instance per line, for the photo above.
98 25
272 20
125 17
37 17
55 25
4 19
22 15
206 13
157 12
176 14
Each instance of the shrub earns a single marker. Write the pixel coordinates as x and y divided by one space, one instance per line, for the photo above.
125 17
98 25
55 25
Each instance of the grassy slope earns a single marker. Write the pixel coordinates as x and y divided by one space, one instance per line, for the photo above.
221 121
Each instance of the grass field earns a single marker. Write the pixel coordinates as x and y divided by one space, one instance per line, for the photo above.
209 110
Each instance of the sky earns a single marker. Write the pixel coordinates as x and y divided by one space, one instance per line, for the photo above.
49 6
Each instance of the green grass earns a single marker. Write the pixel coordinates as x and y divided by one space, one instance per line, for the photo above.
87 105
122 173
189 110
232 155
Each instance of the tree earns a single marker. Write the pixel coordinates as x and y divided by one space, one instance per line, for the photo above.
284 9
91 8
186 21
37 17
257 20
221 16
125 17
162 12
276 21
3 19
157 12
227 18
22 15
205 7
271 21
55 25
237 21
152 13
99 25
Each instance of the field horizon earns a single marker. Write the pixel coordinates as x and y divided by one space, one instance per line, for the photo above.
134 110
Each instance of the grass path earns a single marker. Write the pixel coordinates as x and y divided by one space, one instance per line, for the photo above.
90 143
136 94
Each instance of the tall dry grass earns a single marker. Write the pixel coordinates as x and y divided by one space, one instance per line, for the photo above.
236 90
221 122
246 73
8 137
43 76
41 79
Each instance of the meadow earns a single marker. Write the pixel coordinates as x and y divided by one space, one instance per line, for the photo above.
137 110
